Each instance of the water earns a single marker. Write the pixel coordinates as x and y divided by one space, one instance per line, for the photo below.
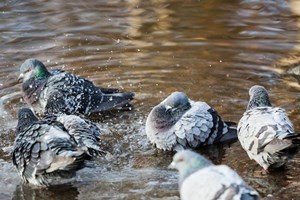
212 50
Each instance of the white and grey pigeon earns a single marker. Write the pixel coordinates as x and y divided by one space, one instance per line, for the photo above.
201 179
265 132
178 123
53 148
56 91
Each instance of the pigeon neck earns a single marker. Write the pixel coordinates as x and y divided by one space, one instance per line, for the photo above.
41 73
191 168
32 89
259 100
162 118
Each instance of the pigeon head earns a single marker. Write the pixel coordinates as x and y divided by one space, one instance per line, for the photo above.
170 110
187 162
177 100
33 68
25 118
258 97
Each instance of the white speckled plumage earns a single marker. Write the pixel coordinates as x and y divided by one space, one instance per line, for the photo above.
264 131
201 179
178 123
56 91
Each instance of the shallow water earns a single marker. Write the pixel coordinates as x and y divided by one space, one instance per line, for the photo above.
212 50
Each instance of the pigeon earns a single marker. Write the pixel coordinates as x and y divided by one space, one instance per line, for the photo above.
199 178
53 148
265 132
178 123
56 91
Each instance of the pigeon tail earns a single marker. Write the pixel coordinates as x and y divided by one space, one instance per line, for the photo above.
80 162
249 196
110 101
109 90
295 138
294 147
286 147
96 152
230 136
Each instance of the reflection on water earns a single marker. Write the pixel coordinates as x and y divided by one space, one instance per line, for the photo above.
212 50
60 192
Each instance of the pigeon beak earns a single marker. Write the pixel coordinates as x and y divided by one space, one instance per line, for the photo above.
172 165
168 107
20 78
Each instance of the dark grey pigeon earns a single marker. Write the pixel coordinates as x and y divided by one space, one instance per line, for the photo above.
56 91
178 123
265 132
49 150
201 179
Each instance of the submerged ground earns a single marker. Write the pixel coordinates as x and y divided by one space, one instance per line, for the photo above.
212 50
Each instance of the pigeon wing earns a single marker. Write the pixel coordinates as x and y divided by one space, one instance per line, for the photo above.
260 126
86 133
65 93
42 149
198 126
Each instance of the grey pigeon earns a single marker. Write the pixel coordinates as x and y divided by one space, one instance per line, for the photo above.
50 149
56 91
178 123
265 132
201 179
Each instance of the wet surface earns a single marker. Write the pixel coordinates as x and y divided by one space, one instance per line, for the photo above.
212 50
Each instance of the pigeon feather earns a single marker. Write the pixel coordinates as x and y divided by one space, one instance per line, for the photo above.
201 179
57 91
264 131
46 150
178 123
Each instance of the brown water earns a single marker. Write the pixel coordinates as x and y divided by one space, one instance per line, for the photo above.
211 49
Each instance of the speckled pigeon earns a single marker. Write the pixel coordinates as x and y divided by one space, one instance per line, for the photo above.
265 132
201 179
53 148
178 123
56 91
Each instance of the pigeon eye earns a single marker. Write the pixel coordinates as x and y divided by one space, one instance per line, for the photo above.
180 160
